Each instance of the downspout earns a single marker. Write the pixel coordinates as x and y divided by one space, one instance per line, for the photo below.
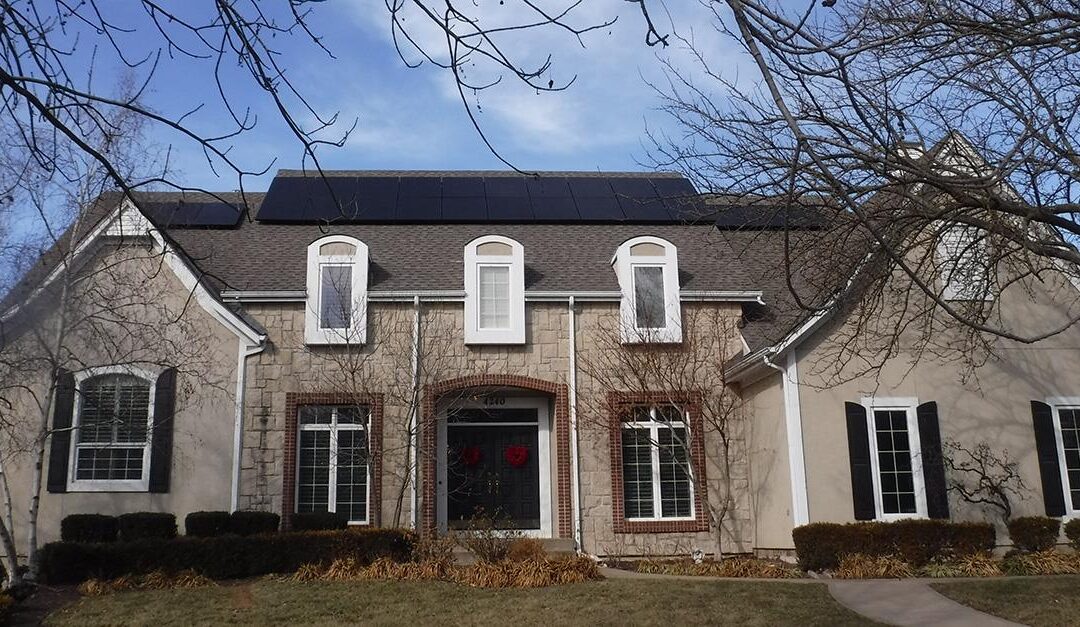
789 374
574 458
414 436
244 351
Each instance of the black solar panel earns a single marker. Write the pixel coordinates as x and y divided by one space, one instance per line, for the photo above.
194 214
497 198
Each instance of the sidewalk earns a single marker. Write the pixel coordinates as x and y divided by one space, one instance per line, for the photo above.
907 602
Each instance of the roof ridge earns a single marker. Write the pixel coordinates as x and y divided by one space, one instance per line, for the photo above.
492 173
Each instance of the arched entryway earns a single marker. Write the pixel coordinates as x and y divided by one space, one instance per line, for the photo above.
500 444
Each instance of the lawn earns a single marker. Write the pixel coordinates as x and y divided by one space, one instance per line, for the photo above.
1033 601
611 602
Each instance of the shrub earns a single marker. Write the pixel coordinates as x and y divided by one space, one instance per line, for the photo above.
975 565
1032 534
250 523
222 557
859 566
206 524
485 540
319 521
505 574
727 567
1072 532
1048 562
819 546
156 580
524 549
88 528
146 526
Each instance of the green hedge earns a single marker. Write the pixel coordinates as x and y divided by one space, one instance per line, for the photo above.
1072 532
206 524
146 526
1031 534
223 557
88 528
318 521
249 522
820 546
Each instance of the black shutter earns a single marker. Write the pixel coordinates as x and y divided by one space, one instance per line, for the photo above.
933 466
60 440
1042 418
161 438
862 474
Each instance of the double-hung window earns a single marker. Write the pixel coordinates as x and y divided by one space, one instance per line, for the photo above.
648 273
332 461
657 470
336 291
111 448
494 291
1067 426
895 457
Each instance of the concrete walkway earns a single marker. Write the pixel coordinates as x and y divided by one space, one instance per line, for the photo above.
907 602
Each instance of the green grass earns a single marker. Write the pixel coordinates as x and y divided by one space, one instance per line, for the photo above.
611 602
1033 601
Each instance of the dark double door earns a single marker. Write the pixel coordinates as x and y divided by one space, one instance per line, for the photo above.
492 468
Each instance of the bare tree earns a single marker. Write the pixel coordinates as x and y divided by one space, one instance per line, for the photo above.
685 383
983 477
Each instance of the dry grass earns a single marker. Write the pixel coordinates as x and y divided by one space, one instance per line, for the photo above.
530 573
979 565
1045 601
858 566
156 580
746 567
1042 563
526 549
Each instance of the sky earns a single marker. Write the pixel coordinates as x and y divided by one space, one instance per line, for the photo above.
412 118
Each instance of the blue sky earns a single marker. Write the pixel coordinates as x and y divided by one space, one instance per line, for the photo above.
413 119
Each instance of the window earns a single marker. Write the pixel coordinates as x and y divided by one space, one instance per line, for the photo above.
336 291
494 291
896 459
962 264
1067 423
112 430
657 480
332 461
648 273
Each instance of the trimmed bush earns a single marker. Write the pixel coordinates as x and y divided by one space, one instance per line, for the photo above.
146 526
250 523
206 524
820 546
1072 532
319 521
222 557
88 528
1032 534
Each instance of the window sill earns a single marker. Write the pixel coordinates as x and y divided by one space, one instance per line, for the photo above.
108 486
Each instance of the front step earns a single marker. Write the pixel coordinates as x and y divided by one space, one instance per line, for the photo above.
552 546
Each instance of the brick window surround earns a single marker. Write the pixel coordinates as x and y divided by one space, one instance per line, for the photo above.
293 402
619 406
560 422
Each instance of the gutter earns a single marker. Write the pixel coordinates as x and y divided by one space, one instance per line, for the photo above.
244 351
789 375
298 296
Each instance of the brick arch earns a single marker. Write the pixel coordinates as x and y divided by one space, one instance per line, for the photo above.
561 422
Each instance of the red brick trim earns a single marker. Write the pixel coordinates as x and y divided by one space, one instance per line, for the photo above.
293 402
561 424
618 405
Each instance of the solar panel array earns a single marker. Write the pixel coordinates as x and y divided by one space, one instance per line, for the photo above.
593 198
189 214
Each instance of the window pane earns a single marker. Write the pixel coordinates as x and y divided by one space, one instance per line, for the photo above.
352 415
894 462
493 297
313 472
649 297
316 415
637 473
675 488
335 308
1070 437
114 409
352 473
116 464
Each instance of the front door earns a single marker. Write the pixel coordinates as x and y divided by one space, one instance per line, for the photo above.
495 463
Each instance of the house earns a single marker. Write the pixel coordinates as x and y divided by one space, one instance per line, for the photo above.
565 352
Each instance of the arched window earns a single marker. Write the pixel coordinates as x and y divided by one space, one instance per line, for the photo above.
337 268
648 272
494 291
112 435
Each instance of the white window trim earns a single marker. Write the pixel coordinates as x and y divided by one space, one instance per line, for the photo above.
654 426
331 503
624 263
951 290
515 334
357 331
1056 403
908 405
110 485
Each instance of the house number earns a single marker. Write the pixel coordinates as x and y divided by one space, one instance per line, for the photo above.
494 400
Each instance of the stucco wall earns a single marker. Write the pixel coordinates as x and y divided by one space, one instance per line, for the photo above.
770 485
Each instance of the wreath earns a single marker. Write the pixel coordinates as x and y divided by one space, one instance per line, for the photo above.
516 455
471 456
